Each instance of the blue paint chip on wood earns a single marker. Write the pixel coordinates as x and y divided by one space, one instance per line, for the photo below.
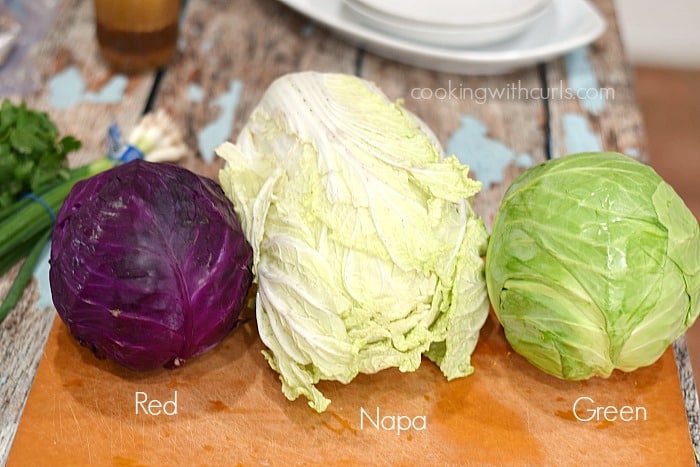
67 89
578 136
195 93
111 93
632 152
583 81
218 131
41 274
487 158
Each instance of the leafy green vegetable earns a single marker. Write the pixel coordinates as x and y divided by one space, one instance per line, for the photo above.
367 251
32 157
593 265
33 160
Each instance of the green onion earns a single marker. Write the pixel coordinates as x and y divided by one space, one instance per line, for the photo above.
33 218
15 256
23 276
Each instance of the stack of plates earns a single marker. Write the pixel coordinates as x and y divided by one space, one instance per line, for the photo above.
451 23
462 36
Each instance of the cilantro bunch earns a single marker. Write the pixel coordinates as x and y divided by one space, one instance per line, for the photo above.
34 181
32 157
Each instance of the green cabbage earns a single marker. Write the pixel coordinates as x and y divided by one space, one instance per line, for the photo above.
593 265
367 252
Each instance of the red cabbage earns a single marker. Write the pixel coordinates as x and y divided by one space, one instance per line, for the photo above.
149 265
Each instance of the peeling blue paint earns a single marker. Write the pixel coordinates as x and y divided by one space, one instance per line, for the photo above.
219 130
67 89
578 136
486 157
195 93
110 93
632 152
41 274
583 81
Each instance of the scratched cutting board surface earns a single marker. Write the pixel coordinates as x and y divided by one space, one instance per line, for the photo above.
230 411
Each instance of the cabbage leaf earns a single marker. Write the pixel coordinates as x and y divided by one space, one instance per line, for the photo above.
593 265
367 251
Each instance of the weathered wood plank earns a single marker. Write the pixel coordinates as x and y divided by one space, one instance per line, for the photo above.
607 117
83 97
22 338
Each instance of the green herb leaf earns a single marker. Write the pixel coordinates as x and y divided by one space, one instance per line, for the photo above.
32 156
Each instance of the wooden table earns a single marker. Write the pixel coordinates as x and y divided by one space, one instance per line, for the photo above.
230 52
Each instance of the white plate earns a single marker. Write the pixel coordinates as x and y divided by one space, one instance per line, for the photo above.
447 36
455 12
567 25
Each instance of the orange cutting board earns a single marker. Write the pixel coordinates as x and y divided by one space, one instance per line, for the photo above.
230 411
